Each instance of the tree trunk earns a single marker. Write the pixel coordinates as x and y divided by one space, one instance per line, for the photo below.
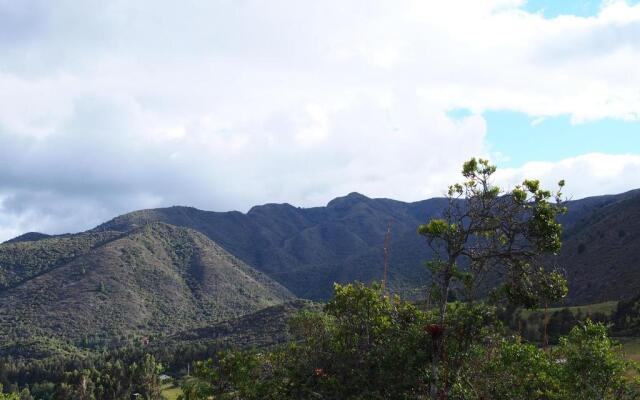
438 342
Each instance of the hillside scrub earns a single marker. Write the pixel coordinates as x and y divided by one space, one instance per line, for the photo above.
365 344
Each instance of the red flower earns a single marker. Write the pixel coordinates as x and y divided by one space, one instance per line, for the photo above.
434 330
318 372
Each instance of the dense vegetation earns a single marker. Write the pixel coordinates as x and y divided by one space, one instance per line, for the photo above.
155 280
363 344
530 323
368 345
110 376
43 376
627 317
25 259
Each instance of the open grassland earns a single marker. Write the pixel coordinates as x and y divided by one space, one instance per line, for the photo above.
631 348
529 323
607 308
170 391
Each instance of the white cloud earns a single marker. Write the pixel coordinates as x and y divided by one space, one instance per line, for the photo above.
111 106
586 175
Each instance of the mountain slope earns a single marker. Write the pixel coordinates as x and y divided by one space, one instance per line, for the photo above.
23 259
265 327
156 278
28 237
306 250
601 253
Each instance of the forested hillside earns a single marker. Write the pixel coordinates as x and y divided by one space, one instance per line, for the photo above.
154 279
601 251
306 250
138 275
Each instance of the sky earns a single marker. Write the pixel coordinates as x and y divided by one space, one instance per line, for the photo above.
109 107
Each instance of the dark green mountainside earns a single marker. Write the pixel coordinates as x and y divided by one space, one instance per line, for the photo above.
24 259
154 279
306 250
601 252
28 237
262 328
177 269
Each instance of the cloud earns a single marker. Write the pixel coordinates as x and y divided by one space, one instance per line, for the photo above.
586 175
107 107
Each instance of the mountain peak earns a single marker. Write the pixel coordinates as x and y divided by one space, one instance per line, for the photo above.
348 200
271 207
28 237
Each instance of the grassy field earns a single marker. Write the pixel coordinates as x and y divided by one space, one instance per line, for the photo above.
631 348
606 308
170 391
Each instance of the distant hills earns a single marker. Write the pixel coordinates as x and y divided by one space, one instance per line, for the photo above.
307 249
156 278
179 269
601 248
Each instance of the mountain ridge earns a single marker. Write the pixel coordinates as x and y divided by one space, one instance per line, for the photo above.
344 240
307 249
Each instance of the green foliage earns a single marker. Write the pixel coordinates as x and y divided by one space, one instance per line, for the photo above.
592 366
488 231
435 228
109 376
491 232
8 396
586 364
113 380
59 371
516 370
528 323
374 346
20 261
366 345
232 375
626 318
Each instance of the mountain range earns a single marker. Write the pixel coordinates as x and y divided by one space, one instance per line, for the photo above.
180 269
307 249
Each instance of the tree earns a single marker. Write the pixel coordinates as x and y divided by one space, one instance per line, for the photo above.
485 231
363 345
8 396
592 366
145 377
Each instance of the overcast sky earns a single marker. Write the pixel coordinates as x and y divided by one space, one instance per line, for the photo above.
112 106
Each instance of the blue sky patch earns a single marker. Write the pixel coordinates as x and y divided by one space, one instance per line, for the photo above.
555 8
523 138
459 113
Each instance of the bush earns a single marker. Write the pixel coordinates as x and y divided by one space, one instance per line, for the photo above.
367 345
